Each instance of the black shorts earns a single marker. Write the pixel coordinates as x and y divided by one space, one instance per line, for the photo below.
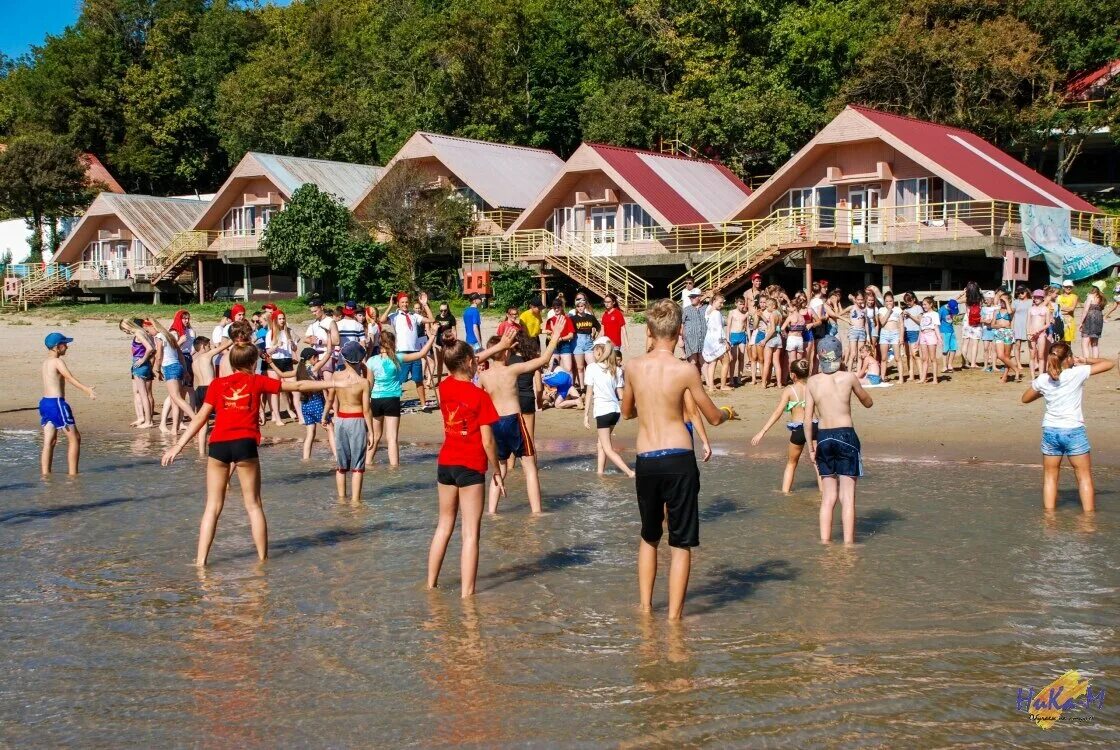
385 407
797 435
198 396
284 365
459 476
669 482
838 452
234 451
527 402
607 420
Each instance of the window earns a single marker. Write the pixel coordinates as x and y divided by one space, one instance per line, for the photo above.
804 200
954 194
240 221
911 199
471 197
267 212
567 220
636 223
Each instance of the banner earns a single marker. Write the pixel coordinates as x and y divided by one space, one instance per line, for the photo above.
1046 233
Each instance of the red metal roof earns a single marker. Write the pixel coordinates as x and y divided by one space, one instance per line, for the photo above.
1080 85
975 161
97 173
634 166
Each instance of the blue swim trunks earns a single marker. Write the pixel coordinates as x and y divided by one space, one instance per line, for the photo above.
838 452
413 370
512 437
55 411
737 338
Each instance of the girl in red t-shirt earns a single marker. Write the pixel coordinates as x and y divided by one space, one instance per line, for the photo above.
235 402
468 449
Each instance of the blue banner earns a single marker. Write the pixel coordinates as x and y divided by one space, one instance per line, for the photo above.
1046 233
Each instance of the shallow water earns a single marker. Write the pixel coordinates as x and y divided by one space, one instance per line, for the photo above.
958 594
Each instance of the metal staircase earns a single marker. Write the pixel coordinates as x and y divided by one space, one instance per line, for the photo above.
43 285
760 244
183 250
570 256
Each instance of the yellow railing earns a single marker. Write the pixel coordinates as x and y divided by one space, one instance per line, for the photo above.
503 218
677 147
184 248
754 181
570 255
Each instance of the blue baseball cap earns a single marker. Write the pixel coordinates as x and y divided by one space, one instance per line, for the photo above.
54 339
353 352
953 307
830 354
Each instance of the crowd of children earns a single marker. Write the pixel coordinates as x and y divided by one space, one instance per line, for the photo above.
345 374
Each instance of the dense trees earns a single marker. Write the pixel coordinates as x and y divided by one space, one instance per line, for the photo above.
169 92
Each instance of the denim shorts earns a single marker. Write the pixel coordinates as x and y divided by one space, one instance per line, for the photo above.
143 371
911 337
413 370
584 344
889 337
565 347
173 371
1068 441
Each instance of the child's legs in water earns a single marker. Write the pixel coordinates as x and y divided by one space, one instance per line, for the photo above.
217 480
793 455
378 431
1083 469
830 491
848 507
249 477
308 440
607 450
392 440
445 525
50 439
470 502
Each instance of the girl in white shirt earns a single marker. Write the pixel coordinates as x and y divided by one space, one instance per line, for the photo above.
1063 424
280 344
603 381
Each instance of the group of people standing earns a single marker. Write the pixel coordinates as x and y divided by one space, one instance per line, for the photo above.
347 370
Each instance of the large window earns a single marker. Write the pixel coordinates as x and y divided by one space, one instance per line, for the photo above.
636 223
240 221
267 212
911 199
471 197
804 200
566 221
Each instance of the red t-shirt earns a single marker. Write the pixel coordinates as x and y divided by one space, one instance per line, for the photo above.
236 400
566 329
505 325
465 408
613 320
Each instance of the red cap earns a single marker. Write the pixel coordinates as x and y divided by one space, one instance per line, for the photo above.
402 295
238 308
755 276
822 282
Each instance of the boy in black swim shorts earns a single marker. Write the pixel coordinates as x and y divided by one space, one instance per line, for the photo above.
834 445
667 480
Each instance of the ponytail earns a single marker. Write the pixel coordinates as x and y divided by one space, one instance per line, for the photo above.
1056 359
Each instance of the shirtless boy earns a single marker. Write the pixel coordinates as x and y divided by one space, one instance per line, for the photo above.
833 444
667 476
737 329
353 421
54 413
202 368
499 381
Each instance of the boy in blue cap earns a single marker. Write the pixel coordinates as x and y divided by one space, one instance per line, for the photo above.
948 312
54 413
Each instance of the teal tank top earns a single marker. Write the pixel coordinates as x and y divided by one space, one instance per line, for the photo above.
386 377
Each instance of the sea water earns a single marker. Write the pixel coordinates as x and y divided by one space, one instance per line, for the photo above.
959 594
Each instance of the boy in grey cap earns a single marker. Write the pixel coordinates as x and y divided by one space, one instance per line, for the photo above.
353 421
833 444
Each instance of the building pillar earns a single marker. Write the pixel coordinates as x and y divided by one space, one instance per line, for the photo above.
888 277
867 279
155 296
808 270
300 290
248 282
946 279
201 283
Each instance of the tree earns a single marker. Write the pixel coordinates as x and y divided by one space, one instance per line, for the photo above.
316 236
42 177
419 222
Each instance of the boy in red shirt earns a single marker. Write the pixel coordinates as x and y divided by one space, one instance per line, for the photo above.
468 448
235 401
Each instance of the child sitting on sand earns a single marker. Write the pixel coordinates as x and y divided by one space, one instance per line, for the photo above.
869 372
235 401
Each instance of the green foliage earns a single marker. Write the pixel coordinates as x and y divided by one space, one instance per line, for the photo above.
169 92
315 235
513 285
43 178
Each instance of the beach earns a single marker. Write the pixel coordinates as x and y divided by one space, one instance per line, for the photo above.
971 417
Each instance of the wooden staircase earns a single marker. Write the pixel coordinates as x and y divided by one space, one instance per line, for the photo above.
572 257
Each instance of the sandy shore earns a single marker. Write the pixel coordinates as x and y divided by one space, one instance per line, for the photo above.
971 417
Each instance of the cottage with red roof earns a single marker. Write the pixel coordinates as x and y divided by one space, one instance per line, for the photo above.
878 197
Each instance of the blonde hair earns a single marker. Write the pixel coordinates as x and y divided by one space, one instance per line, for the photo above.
605 355
663 319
